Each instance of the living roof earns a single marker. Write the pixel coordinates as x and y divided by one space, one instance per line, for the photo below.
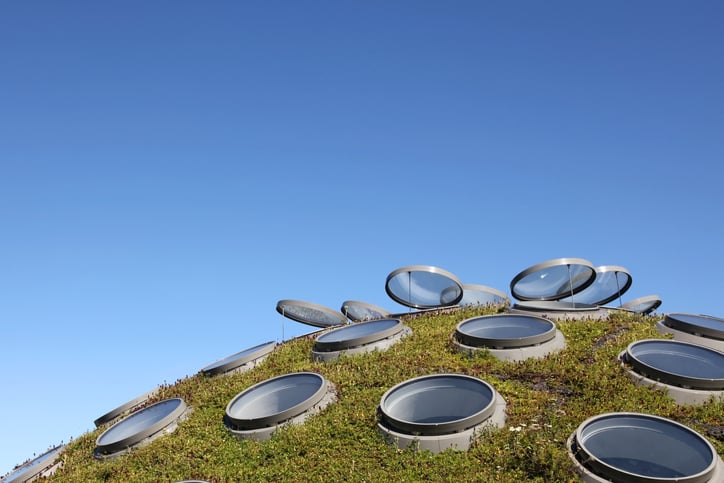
546 398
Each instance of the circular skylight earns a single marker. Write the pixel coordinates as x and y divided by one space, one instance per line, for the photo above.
357 334
553 280
505 331
427 409
701 325
258 410
678 363
310 314
240 360
424 287
140 427
643 305
480 295
611 282
128 407
359 311
437 404
40 467
634 447
697 329
509 337
359 338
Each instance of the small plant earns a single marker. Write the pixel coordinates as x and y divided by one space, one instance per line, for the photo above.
547 399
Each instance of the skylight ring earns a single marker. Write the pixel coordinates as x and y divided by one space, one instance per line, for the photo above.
124 408
600 294
682 454
388 328
41 466
699 325
237 360
353 310
177 407
421 389
326 317
520 331
563 287
643 305
637 353
452 292
283 384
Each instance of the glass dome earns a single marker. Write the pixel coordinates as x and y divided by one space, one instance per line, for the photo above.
310 314
139 426
643 305
611 283
505 331
437 404
275 400
678 363
632 447
701 325
39 467
361 311
424 287
235 361
128 407
357 334
553 280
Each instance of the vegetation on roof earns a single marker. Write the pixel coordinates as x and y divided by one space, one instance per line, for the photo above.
546 399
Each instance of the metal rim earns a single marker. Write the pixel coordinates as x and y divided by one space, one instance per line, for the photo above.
388 328
550 264
348 309
547 332
599 280
326 312
240 358
438 427
634 358
688 323
173 414
35 467
114 413
284 414
424 269
602 468
649 303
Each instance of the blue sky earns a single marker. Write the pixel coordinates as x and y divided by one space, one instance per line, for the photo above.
170 170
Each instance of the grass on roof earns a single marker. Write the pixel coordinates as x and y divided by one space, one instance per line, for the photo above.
546 399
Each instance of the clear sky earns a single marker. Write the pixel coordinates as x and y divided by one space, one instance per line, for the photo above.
169 170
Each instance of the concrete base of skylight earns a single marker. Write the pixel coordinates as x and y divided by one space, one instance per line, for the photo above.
265 433
587 476
556 344
715 344
682 395
168 429
459 441
380 345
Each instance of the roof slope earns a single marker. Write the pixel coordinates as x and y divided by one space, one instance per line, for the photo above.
546 401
